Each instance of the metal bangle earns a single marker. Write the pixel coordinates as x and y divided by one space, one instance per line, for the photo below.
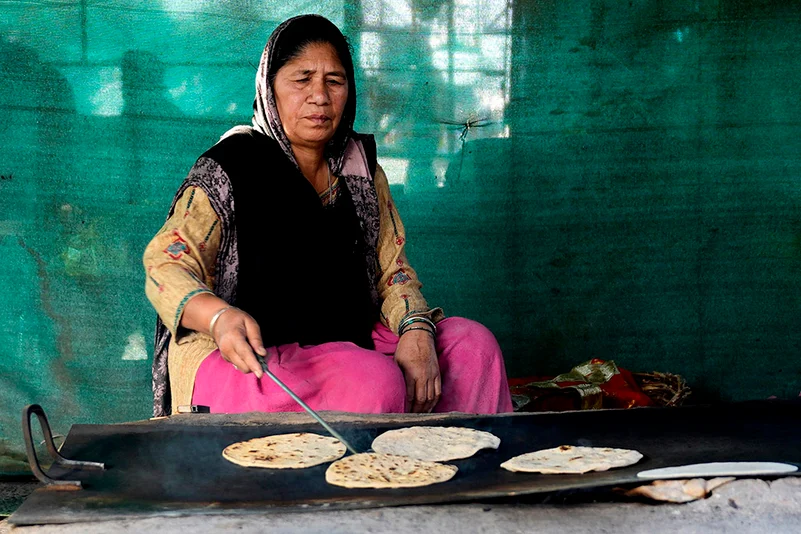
419 328
406 327
415 319
214 319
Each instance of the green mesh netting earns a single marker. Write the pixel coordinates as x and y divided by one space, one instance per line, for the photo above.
596 178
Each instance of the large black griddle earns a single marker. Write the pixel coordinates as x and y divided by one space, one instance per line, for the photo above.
175 466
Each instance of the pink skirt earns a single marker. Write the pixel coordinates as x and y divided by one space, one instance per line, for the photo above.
344 377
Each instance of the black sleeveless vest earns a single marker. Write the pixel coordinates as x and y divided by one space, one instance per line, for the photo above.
301 265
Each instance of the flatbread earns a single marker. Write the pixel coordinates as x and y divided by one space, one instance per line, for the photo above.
435 443
285 451
568 459
372 470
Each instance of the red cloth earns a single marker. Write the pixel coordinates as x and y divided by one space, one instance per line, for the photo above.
593 384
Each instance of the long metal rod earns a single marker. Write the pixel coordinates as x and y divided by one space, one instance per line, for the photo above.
306 407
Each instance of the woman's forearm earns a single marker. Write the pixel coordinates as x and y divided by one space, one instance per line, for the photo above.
180 258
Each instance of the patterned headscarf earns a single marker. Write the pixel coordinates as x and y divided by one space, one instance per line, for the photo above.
265 111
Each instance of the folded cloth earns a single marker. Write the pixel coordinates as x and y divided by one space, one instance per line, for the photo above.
591 385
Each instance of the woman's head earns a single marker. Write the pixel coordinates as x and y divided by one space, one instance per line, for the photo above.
305 85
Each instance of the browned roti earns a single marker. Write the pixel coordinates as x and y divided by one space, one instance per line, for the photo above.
285 451
373 470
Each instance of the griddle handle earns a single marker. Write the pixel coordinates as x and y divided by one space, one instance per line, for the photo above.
33 460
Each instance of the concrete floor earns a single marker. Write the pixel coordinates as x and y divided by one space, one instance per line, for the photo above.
748 506
13 493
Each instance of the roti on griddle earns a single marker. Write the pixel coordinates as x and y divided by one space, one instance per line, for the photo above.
434 443
373 470
285 451
568 459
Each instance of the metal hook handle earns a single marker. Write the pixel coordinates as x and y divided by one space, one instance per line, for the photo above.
33 460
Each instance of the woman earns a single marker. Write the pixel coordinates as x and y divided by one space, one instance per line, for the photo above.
283 243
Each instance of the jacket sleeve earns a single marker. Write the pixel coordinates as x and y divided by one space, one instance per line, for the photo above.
180 260
398 285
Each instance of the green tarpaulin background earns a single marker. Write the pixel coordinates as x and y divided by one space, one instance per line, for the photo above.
629 191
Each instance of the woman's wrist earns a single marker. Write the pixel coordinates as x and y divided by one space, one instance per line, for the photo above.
418 329
215 317
199 311
416 322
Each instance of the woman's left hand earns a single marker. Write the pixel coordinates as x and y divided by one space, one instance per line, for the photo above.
417 357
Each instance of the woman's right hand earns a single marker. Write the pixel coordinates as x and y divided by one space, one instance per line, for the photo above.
238 336
236 333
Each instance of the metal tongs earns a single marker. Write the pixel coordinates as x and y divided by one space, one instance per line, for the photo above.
303 405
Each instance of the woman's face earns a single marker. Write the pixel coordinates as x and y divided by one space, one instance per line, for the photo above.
311 91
